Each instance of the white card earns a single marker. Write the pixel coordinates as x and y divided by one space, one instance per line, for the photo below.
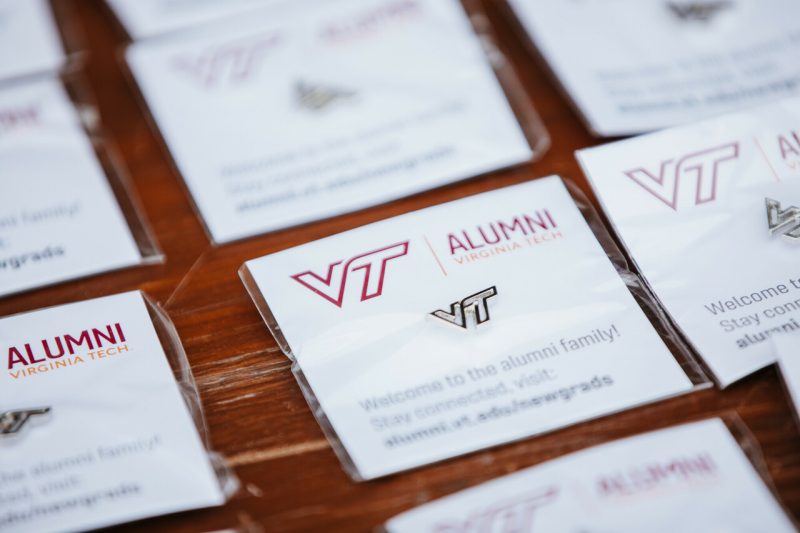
59 219
632 66
146 18
100 456
689 478
324 107
29 38
689 205
788 355
564 341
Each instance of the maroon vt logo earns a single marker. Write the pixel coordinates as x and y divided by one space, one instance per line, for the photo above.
230 63
702 166
371 265
511 516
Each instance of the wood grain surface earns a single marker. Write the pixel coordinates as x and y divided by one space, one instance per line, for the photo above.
257 417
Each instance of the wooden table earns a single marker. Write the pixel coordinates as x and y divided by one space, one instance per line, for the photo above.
291 479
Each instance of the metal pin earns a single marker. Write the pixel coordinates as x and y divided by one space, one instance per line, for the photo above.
783 221
698 11
12 421
474 306
316 97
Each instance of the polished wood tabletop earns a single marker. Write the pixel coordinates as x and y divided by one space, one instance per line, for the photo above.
256 414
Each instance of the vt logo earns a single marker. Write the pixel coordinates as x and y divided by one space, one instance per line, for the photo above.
476 305
785 221
701 166
230 63
372 264
514 515
698 11
12 421
316 97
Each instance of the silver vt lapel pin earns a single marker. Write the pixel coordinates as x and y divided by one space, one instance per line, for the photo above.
316 97
475 305
13 421
783 221
698 11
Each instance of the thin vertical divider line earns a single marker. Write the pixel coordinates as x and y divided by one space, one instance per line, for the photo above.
438 262
764 155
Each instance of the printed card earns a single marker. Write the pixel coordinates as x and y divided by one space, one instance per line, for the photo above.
788 356
632 66
321 108
462 326
29 38
146 18
59 219
708 213
689 478
81 448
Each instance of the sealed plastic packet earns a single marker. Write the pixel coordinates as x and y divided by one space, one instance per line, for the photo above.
694 477
632 66
100 419
345 106
466 325
710 214
67 210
